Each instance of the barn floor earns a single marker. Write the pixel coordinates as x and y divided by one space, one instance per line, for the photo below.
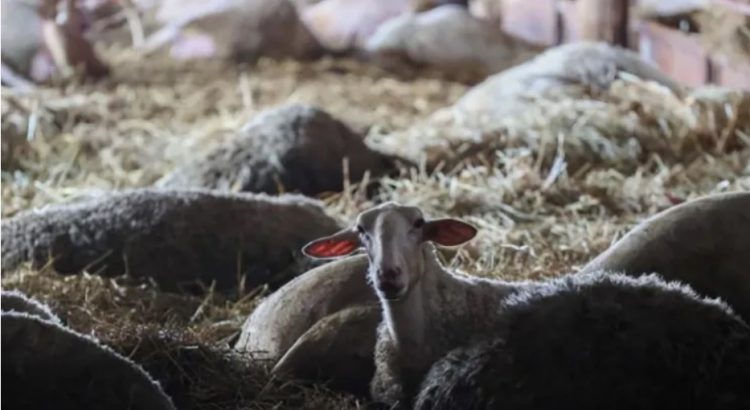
152 114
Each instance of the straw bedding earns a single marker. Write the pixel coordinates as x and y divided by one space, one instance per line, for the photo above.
549 189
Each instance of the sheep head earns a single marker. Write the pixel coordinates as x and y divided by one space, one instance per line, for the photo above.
393 236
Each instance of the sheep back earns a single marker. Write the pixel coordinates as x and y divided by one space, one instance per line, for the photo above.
600 341
295 148
176 237
704 243
284 316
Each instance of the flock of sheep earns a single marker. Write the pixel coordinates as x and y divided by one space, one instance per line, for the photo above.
659 320
628 331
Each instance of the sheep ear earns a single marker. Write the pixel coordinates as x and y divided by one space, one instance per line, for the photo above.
448 232
341 243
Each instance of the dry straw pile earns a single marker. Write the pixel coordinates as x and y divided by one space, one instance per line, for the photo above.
549 188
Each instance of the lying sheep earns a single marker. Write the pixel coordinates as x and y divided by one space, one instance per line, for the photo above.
572 93
343 25
563 69
46 365
600 340
421 301
277 323
175 237
14 301
237 29
292 148
338 350
704 243
319 326
428 312
449 39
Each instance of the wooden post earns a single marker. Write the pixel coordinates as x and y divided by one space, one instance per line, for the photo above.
603 20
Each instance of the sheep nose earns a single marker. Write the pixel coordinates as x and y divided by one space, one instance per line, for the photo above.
390 274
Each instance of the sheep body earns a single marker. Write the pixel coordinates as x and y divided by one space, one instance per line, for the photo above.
14 301
599 340
704 243
337 350
450 39
237 29
343 25
292 148
284 316
176 237
564 69
46 365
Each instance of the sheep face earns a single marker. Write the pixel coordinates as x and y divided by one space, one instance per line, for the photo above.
393 236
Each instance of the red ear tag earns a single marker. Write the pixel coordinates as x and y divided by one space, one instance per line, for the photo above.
329 248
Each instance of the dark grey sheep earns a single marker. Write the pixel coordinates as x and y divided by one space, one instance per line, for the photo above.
46 365
295 148
600 341
175 237
15 301
704 243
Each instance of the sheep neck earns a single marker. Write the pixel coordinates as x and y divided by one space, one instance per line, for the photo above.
409 319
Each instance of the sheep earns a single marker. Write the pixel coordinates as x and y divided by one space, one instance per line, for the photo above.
429 311
572 78
284 316
704 243
46 365
447 38
319 326
293 148
14 301
175 237
233 29
343 25
422 302
600 341
590 64
337 350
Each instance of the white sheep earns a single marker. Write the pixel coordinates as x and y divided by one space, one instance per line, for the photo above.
429 311
423 304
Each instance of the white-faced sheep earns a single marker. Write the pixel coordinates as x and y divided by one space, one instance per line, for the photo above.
423 304
46 365
429 311
176 237
704 243
295 148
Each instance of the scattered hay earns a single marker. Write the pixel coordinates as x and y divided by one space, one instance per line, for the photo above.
538 216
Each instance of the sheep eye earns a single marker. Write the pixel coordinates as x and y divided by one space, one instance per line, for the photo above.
419 223
360 230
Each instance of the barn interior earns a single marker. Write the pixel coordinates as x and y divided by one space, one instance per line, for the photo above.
551 172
